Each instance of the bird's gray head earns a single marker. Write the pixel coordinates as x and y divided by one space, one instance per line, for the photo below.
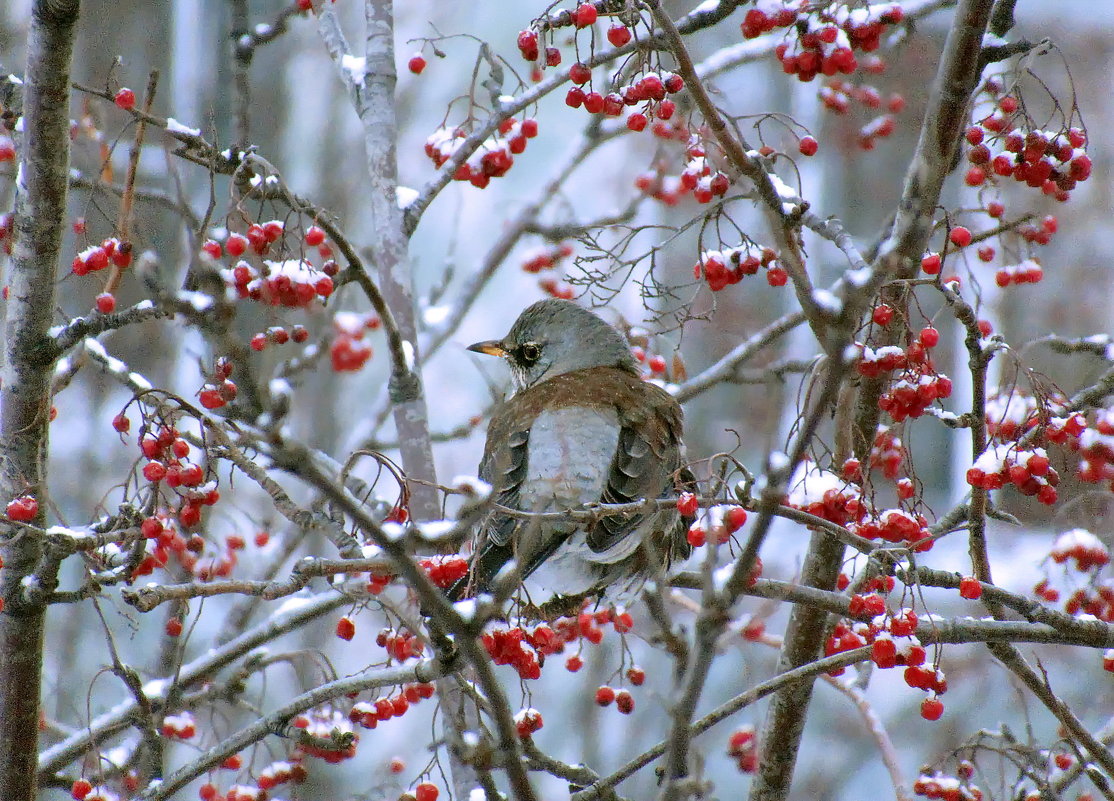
553 337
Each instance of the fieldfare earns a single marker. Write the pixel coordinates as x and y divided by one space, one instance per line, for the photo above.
582 427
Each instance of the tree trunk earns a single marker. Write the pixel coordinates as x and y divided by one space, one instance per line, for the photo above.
28 360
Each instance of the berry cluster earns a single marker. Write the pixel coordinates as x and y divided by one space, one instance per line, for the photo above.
400 645
948 788
1029 271
278 335
1028 470
623 700
169 466
820 38
324 725
654 364
649 89
546 257
887 452
1081 545
893 643
219 391
492 159
280 772
179 727
445 570
837 95
348 351
722 268
824 494
549 257
742 746
699 178
1095 446
1001 146
371 714
897 525
97 257
528 721
293 283
718 523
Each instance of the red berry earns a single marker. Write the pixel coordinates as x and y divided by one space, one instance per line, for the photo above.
960 236
106 303
618 35
995 209
416 63
970 588
605 695
808 146
929 337
425 792
776 276
125 99
80 789
624 702
154 471
593 102
346 629
882 315
237 245
580 73
931 709
735 518
584 15
636 676
574 663
258 342
636 121
930 264
314 236
174 627
122 423
687 504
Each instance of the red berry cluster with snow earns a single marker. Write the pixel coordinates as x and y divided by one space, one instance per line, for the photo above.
887 452
742 746
820 38
1028 470
370 714
349 351
279 773
181 726
722 268
918 386
528 721
1028 271
445 570
97 257
1080 545
525 648
947 788
1002 145
896 525
492 159
293 283
1095 447
220 390
824 494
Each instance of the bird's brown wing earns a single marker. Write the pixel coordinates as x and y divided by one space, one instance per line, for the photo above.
648 459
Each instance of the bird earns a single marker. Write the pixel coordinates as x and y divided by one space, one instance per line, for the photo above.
581 427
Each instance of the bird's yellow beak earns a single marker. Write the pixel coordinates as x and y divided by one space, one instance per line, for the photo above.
491 347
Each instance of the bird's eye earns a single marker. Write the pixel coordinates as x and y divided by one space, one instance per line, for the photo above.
531 352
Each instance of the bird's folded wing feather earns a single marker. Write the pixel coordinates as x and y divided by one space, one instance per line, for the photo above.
646 462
